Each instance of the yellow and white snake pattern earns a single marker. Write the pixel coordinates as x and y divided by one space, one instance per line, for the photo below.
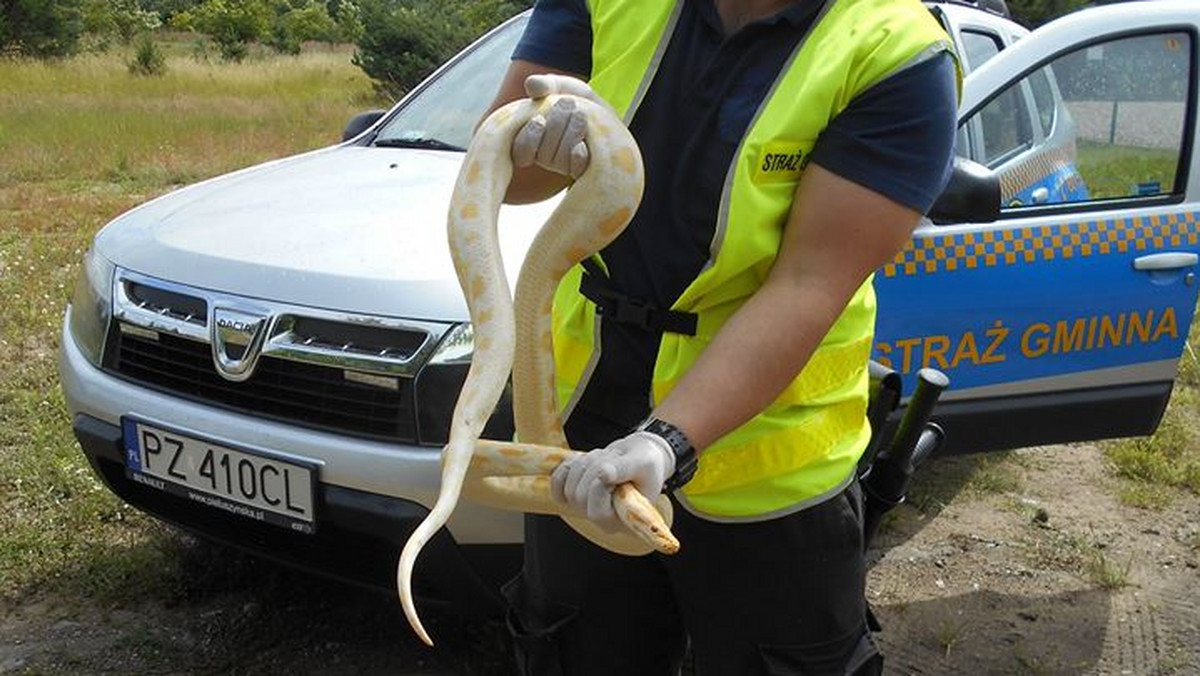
514 332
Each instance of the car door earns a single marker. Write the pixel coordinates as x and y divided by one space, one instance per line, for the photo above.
1065 318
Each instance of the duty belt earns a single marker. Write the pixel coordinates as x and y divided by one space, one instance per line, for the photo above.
614 305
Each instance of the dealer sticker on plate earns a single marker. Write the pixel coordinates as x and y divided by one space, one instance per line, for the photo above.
252 484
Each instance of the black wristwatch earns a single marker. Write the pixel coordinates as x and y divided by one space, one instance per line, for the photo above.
681 446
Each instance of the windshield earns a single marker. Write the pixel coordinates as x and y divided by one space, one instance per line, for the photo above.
444 113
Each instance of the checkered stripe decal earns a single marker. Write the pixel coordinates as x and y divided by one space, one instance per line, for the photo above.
1033 169
1020 246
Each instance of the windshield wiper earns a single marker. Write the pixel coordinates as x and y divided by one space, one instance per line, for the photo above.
425 143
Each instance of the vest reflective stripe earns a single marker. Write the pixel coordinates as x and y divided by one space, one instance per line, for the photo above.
807 442
574 326
823 375
781 445
627 47
784 467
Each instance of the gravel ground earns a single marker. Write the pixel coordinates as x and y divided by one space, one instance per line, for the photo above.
1026 566
1141 124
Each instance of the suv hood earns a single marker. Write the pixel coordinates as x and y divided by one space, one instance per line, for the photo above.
348 228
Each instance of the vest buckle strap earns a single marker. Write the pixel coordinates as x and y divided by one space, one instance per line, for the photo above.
625 310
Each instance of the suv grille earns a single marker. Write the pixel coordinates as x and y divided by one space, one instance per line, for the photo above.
337 372
316 396
178 306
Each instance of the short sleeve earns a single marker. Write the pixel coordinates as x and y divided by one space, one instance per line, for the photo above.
558 35
897 138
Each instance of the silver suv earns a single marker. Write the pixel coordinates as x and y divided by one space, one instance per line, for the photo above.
270 358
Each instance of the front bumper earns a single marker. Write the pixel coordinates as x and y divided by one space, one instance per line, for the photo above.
369 495
358 540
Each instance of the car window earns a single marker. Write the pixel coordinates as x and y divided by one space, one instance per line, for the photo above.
1043 99
1113 116
1006 128
448 108
979 47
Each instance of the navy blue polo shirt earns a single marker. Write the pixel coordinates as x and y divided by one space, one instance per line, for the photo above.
896 139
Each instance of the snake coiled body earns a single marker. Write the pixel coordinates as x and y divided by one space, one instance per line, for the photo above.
515 333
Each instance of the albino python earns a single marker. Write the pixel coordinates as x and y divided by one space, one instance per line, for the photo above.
516 475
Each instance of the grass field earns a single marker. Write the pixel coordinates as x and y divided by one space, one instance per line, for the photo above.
1107 169
81 141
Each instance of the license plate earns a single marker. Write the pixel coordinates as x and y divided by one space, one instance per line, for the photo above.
252 484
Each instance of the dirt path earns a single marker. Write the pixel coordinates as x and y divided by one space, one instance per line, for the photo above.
1036 568
1025 566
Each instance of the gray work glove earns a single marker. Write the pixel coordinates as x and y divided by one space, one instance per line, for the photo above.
586 482
555 141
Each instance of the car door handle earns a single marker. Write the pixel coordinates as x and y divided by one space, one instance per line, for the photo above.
1170 260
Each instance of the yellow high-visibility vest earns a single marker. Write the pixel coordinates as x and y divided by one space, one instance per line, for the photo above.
805 445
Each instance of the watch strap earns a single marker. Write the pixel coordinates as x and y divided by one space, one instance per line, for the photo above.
681 447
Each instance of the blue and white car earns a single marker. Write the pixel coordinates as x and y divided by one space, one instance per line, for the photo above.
1065 317
269 358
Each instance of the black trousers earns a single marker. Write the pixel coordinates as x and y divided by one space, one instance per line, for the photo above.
779 597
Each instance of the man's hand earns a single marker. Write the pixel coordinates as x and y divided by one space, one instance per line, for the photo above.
586 482
555 141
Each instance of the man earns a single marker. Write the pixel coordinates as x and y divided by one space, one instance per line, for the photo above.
791 146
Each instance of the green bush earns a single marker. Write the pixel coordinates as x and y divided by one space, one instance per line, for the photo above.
40 28
148 60
281 40
309 21
348 17
1034 13
403 41
121 19
166 9
280 24
300 21
231 24
400 45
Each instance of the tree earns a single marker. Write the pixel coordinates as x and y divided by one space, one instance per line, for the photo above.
148 60
404 41
120 19
400 44
232 24
40 28
297 22
166 9
348 17
1033 13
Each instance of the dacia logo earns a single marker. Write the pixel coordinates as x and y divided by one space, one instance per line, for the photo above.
240 327
237 339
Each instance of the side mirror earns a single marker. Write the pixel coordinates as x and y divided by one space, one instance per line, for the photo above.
972 195
360 123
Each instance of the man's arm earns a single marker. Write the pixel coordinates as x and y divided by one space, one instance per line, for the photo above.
877 166
875 169
837 233
532 183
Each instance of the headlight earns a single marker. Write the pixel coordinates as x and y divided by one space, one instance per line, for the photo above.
438 385
456 347
91 306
